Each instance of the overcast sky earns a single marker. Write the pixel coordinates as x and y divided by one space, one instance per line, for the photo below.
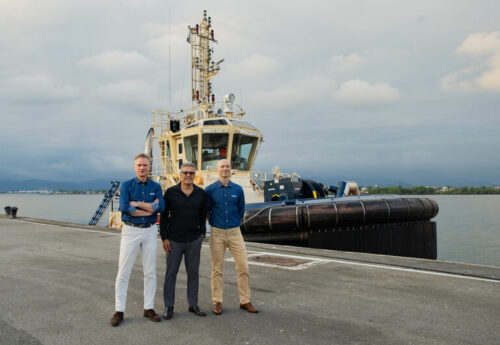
373 91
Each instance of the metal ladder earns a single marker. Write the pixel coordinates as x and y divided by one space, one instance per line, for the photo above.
105 202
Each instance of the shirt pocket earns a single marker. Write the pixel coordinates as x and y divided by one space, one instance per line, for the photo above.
151 197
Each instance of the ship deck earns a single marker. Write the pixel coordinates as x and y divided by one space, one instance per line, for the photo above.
57 287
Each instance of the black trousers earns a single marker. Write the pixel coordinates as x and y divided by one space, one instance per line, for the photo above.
191 252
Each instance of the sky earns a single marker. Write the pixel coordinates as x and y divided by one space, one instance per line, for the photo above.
379 92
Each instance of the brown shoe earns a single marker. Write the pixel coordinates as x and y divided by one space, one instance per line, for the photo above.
117 318
217 309
249 307
151 314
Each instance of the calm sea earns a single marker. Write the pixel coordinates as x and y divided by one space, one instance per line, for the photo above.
468 226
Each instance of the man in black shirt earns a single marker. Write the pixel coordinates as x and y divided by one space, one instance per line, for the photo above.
182 226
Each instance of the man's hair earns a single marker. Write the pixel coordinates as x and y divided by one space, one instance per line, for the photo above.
188 164
143 155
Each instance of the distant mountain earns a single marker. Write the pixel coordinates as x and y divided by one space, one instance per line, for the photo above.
7 185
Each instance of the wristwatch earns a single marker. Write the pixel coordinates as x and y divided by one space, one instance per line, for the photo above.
136 204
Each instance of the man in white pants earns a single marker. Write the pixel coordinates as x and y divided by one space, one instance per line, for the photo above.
140 201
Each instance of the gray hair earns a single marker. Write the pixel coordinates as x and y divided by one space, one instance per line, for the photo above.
143 155
188 164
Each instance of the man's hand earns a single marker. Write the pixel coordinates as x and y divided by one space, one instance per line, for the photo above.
142 207
166 246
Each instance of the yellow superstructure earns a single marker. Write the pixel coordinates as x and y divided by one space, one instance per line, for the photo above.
206 132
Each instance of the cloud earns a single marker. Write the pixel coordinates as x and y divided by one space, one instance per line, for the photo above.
485 73
116 61
362 93
478 44
294 94
255 66
38 87
346 62
129 92
166 43
458 82
490 80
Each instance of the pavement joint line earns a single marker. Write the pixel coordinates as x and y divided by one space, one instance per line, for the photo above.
345 262
401 266
414 270
357 263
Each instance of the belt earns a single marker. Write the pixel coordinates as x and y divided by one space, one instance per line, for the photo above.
145 225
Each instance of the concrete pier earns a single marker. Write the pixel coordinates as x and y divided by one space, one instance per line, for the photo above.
57 287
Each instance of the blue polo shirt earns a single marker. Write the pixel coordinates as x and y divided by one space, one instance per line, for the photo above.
226 205
136 190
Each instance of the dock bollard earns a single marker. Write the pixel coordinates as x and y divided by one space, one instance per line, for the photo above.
14 211
8 210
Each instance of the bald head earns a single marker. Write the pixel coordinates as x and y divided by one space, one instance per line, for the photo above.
222 162
224 170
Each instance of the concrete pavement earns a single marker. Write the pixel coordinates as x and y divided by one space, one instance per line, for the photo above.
57 287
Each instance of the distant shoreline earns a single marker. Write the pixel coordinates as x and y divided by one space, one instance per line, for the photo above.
49 192
424 190
416 190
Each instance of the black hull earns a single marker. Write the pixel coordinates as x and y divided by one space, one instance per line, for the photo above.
386 224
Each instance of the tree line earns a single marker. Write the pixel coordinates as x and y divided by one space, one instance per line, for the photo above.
423 190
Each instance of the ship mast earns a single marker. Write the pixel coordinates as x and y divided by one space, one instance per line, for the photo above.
201 37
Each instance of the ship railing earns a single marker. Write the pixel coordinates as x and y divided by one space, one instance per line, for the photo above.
161 118
257 178
163 172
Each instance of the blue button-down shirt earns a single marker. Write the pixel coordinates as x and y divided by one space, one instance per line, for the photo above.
226 205
135 190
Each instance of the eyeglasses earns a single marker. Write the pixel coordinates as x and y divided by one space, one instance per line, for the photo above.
188 172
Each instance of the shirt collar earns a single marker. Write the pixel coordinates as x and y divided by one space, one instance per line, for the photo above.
178 187
140 182
220 185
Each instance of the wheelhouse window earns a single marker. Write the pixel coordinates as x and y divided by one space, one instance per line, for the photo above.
216 122
243 146
191 148
214 149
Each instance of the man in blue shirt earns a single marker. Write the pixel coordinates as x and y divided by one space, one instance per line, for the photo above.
226 207
140 201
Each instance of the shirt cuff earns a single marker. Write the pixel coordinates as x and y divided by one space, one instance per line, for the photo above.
131 210
155 206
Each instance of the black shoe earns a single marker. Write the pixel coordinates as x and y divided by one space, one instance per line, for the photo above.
195 309
169 313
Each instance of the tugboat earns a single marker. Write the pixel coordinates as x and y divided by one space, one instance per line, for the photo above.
281 207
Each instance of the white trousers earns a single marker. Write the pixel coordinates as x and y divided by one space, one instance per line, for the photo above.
131 239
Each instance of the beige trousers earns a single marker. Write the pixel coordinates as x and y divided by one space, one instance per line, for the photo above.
220 239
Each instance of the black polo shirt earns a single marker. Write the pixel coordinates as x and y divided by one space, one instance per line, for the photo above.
184 217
